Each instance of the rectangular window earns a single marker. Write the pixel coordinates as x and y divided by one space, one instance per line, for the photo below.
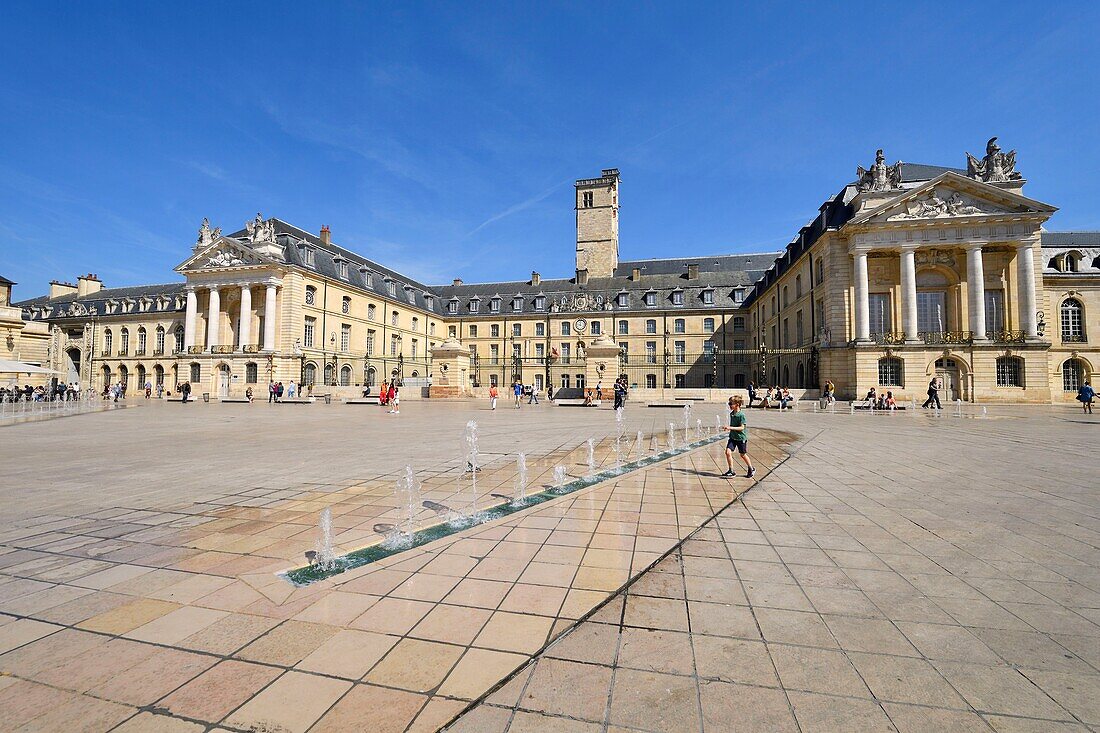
678 297
196 374
473 332
595 328
452 331
393 318
738 295
517 305
1008 371
622 299
889 372
540 302
394 341
651 381
540 352
931 314
586 199
708 325
624 349
680 350
651 300
494 305
679 326
452 307
494 353
307 336
650 352
994 311
516 353
251 375
565 381
565 330
494 330
565 353
798 334
345 337
370 342
517 329
624 328
786 333
879 304
651 326
540 329
415 348
475 306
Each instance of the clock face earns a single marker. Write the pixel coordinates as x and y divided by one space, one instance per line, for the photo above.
580 324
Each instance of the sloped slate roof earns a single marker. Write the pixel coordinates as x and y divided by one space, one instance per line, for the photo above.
5 281
106 294
1070 239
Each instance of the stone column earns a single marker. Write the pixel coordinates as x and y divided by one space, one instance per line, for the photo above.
269 318
189 319
245 327
909 293
862 291
1025 276
213 319
975 288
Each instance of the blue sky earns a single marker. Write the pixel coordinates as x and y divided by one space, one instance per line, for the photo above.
442 139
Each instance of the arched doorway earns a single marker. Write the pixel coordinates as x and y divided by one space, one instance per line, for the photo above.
158 376
142 376
106 377
950 371
223 380
372 375
124 377
72 365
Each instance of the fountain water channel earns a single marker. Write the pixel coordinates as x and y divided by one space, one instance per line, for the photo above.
325 563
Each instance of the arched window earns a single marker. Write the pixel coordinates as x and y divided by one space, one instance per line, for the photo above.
124 341
328 373
251 373
309 374
800 376
785 300
431 328
311 295
179 339
819 271
1073 321
1073 375
345 376
345 305
159 347
108 342
370 312
786 376
1010 371
1071 262
141 376
890 372
142 341
415 323
393 318
196 373
158 375
372 374
106 375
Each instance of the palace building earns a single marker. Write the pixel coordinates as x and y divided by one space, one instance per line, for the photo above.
911 272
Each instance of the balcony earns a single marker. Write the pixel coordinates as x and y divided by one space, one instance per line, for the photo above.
1074 338
893 338
251 348
139 352
105 352
195 349
123 352
1007 337
158 351
221 349
937 338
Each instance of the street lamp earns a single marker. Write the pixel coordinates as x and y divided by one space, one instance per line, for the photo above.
332 343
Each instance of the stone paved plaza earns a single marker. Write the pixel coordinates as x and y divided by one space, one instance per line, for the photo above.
885 572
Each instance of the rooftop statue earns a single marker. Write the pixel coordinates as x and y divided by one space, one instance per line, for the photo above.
206 234
260 230
996 166
880 177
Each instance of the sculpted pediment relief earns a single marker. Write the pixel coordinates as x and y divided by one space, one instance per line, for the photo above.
223 253
942 203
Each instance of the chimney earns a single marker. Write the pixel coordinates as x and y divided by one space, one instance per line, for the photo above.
582 276
88 284
535 278
636 274
457 281
693 271
59 289
326 235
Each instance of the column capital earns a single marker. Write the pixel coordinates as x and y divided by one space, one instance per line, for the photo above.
971 246
856 250
908 247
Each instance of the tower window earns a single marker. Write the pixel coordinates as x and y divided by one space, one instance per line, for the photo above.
586 199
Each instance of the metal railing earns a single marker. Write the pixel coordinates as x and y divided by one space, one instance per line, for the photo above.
892 338
946 337
221 349
1074 338
1008 337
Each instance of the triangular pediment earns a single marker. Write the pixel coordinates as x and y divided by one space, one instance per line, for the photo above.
222 254
951 196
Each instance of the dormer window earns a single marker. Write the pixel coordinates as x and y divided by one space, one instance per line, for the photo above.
622 300
308 256
369 278
517 304
651 299
311 295
739 295
342 269
475 305
540 302
708 297
494 305
429 302
452 306
677 297
391 287
410 294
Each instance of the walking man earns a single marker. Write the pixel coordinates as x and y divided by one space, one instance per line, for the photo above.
1085 395
739 438
185 390
517 391
933 395
493 394
270 392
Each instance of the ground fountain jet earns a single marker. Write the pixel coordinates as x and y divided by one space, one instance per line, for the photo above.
469 437
638 445
521 479
324 555
591 456
687 421
698 428
559 478
718 423
672 435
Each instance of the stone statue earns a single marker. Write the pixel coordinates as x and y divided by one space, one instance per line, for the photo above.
260 230
995 166
880 177
957 207
206 234
933 206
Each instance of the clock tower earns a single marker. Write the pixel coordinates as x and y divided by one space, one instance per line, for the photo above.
597 207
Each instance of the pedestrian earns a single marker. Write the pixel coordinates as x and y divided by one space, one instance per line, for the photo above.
185 390
394 398
933 394
248 394
291 390
534 398
752 393
738 438
599 391
270 392
493 394
148 389
391 393
550 393
278 391
160 390
620 393
517 391
382 394
1085 395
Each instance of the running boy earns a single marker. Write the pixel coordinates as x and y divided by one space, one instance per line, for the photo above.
739 438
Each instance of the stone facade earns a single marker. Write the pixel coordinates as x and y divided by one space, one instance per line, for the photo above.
910 273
